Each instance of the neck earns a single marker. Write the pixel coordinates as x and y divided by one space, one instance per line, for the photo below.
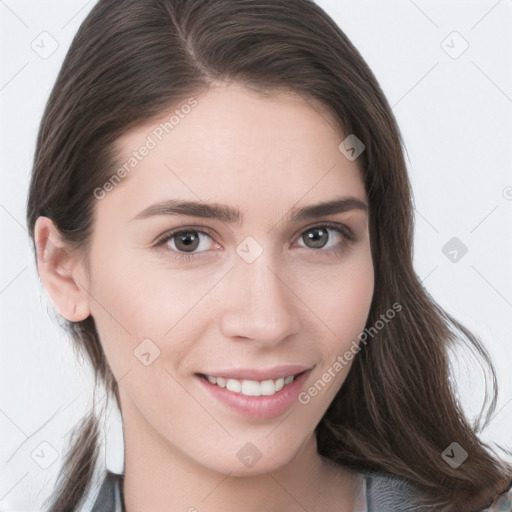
161 478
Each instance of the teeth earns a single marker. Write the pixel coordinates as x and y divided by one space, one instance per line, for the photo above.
252 387
268 388
234 385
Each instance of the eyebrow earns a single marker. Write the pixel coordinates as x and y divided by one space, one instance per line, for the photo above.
231 215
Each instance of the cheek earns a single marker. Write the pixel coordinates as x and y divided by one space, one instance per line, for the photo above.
343 303
133 294
135 301
343 308
355 297
123 306
344 294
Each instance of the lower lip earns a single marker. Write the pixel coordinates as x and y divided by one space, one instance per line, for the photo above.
258 407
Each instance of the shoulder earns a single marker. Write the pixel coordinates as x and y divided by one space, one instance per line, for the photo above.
386 492
383 492
110 496
503 503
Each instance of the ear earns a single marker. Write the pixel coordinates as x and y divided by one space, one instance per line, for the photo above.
62 273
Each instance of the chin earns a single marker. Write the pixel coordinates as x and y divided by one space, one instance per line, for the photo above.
248 458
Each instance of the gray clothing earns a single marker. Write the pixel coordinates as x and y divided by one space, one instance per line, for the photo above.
382 494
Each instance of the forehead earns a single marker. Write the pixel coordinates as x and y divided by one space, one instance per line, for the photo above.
237 146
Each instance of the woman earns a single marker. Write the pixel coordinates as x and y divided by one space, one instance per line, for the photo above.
222 214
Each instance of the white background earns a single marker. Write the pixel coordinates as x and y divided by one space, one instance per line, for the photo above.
455 115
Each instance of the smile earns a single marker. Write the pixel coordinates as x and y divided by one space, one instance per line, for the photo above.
268 387
255 392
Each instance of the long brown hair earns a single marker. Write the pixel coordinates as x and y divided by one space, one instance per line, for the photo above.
130 61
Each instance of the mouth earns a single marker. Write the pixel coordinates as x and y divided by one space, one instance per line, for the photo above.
257 394
267 387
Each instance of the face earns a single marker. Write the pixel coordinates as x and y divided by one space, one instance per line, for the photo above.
213 280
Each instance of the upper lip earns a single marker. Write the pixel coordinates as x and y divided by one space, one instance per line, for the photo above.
258 373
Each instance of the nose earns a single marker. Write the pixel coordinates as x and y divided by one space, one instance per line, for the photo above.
259 304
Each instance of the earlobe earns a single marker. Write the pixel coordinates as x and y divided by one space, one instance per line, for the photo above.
61 272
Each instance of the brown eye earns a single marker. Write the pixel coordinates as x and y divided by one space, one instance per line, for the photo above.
187 241
190 243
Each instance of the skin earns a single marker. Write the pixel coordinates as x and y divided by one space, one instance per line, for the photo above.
294 304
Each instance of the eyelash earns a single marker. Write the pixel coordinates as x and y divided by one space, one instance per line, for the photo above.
344 231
